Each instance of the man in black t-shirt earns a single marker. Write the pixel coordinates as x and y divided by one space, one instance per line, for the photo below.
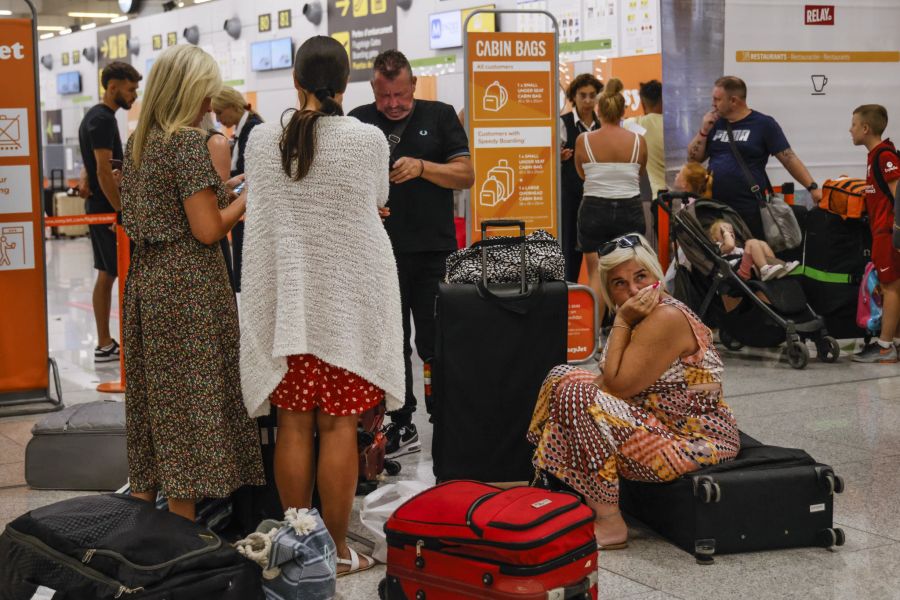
430 160
757 137
98 136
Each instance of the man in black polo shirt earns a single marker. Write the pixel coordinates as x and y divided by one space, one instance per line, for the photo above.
430 160
100 144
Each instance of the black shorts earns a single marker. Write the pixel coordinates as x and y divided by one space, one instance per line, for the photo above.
603 219
103 241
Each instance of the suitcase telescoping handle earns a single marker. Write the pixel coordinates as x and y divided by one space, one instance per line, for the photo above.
521 239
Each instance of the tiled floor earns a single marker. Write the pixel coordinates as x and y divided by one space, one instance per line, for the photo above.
844 414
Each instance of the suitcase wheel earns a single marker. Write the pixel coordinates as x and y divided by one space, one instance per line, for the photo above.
834 484
392 467
704 551
708 490
834 537
838 485
382 589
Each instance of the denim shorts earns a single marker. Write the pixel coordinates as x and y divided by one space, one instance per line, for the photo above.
603 219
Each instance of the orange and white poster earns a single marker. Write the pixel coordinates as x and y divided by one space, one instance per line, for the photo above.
23 311
582 324
512 129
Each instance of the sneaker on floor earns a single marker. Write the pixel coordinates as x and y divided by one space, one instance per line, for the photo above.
401 440
767 272
108 353
874 353
788 268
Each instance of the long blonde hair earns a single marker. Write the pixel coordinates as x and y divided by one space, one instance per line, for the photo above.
180 80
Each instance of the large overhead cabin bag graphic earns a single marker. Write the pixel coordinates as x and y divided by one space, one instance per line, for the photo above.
765 499
467 540
494 345
114 546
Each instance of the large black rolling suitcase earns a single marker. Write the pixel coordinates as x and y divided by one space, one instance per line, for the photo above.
494 346
115 546
835 254
765 499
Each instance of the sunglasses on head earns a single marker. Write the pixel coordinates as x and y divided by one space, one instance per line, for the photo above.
632 240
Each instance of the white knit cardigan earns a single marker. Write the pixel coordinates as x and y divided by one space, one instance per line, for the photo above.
319 275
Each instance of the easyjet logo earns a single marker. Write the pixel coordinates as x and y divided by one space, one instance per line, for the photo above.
815 14
15 52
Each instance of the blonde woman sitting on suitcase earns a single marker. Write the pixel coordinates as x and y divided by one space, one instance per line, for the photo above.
655 412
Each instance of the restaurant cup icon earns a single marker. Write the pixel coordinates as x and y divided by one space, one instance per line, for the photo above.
819 82
495 97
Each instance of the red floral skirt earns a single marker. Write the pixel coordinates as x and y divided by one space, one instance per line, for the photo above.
313 384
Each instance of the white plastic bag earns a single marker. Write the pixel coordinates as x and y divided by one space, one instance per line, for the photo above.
381 504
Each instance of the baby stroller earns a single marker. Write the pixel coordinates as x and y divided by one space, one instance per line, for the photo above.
786 317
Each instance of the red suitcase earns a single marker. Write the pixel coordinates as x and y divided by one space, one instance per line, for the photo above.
464 539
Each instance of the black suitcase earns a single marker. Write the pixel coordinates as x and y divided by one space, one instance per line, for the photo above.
765 499
835 254
253 504
494 346
115 546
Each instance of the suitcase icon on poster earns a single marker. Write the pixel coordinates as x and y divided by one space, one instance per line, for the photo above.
499 185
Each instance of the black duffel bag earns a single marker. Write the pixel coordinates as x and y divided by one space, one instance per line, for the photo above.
116 546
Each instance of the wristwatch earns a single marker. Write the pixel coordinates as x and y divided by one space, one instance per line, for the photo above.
812 186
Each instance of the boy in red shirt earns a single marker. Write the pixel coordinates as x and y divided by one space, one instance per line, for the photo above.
869 122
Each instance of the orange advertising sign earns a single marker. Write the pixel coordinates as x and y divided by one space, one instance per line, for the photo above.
582 324
512 117
23 316
632 70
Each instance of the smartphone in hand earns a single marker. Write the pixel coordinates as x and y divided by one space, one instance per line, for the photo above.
116 164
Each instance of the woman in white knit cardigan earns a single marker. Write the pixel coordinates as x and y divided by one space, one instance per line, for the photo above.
321 335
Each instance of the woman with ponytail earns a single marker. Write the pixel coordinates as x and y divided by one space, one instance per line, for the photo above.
321 336
611 160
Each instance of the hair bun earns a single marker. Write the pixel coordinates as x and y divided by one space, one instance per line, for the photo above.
613 86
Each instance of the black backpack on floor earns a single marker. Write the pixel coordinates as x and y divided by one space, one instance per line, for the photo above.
115 546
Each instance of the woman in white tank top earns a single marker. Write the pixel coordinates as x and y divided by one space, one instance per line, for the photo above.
611 160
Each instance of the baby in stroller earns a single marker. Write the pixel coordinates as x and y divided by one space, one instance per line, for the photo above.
753 256
756 255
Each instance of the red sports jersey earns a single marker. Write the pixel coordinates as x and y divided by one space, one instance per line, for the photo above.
879 206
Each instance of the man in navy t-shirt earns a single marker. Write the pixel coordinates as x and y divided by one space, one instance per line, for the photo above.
757 137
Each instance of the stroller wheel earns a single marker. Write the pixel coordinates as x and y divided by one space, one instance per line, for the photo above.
729 342
828 349
797 354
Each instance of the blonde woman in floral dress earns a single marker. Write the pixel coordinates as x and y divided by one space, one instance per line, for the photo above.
655 412
188 432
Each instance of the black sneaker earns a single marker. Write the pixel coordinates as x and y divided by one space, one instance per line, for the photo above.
401 440
108 353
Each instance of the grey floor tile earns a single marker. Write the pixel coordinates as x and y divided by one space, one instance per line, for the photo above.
614 585
871 498
18 430
12 475
10 451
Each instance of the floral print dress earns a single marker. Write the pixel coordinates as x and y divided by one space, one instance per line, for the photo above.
588 438
188 432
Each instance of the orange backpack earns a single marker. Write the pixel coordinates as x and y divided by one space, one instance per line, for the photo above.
844 196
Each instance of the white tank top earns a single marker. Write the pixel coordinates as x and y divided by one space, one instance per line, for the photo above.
612 180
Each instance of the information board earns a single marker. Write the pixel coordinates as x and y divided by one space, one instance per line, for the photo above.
365 28
511 110
23 317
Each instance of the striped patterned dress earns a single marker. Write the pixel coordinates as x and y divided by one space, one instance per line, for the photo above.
588 438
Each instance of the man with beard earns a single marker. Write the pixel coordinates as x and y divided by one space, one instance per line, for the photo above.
101 146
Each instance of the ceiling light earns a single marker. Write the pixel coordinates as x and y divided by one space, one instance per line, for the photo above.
200 1
5 13
65 31
47 36
49 28
88 26
121 19
94 15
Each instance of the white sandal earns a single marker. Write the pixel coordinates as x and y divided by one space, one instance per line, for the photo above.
353 563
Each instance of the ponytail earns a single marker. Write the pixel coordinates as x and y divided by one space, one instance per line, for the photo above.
321 68
298 138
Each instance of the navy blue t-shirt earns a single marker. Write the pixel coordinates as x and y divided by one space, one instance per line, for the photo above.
757 137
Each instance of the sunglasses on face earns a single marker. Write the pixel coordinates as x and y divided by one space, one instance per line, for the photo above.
631 240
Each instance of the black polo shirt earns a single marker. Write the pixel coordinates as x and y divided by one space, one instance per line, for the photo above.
98 131
421 212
